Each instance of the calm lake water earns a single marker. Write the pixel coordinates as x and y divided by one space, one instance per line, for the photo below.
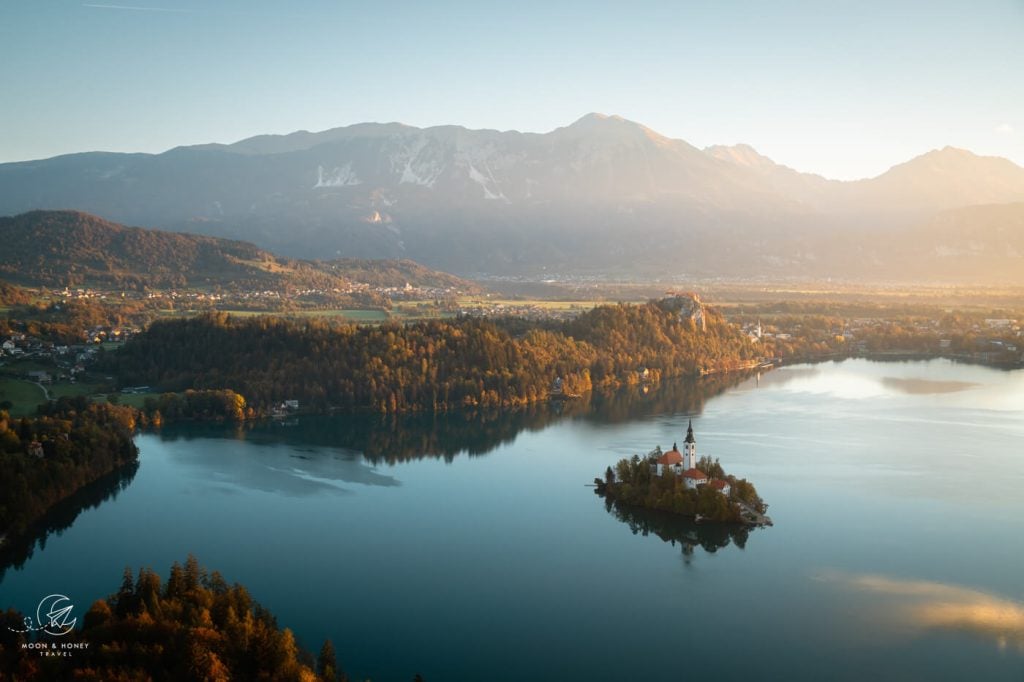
469 548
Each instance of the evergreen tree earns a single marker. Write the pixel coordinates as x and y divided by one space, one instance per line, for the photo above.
327 662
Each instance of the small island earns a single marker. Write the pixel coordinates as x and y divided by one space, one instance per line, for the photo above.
681 483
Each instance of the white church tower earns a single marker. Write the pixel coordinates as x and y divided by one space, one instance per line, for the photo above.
689 450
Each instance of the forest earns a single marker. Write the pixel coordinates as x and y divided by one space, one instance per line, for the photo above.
393 438
193 626
70 248
426 366
12 295
45 459
209 405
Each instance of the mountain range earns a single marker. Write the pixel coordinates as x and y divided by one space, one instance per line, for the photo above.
602 195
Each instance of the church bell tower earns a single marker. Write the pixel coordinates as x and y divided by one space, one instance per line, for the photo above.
690 449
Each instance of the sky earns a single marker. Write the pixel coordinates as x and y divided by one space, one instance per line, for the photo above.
844 89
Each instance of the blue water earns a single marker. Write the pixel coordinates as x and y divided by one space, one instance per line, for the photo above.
469 548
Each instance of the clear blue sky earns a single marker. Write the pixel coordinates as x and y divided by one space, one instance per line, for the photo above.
841 88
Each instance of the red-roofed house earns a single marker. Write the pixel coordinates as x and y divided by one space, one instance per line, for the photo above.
672 459
694 478
720 485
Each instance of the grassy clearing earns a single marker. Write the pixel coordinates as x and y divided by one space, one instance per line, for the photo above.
348 314
24 396
352 315
475 301
22 366
135 399
410 313
72 390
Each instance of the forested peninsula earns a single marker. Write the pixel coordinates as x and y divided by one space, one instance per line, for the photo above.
45 459
193 626
432 365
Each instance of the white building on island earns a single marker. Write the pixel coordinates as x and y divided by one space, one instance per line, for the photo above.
685 464
693 476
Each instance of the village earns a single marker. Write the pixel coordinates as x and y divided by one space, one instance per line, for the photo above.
990 341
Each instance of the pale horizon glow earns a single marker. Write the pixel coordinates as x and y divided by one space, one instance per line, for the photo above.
845 91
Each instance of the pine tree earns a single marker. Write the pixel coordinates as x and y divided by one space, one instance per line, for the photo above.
327 662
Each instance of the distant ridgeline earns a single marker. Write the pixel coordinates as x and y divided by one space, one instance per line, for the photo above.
434 365
47 458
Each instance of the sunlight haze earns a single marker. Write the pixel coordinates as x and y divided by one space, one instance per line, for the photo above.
844 91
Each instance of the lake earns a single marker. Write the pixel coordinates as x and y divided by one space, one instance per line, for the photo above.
468 547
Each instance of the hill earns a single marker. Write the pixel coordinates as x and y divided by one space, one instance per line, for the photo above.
973 243
429 366
602 195
11 295
71 248
395 273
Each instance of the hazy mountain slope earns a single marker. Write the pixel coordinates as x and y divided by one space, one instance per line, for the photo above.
941 179
806 188
975 243
601 195
56 248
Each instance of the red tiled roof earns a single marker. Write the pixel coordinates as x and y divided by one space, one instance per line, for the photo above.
718 484
695 474
671 457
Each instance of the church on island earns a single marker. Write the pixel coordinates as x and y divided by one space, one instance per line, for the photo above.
685 464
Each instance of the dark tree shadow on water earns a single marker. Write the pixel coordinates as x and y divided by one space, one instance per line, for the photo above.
679 530
397 438
16 551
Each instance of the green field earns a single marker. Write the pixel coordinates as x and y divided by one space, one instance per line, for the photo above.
474 301
21 366
351 315
24 395
135 399
412 314
72 390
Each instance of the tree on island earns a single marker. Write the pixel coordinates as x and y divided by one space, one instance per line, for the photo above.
636 482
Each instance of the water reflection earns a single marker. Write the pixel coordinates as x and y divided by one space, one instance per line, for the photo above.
288 470
926 605
859 379
16 551
391 439
675 529
919 386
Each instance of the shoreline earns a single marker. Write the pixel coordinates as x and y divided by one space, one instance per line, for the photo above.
901 356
